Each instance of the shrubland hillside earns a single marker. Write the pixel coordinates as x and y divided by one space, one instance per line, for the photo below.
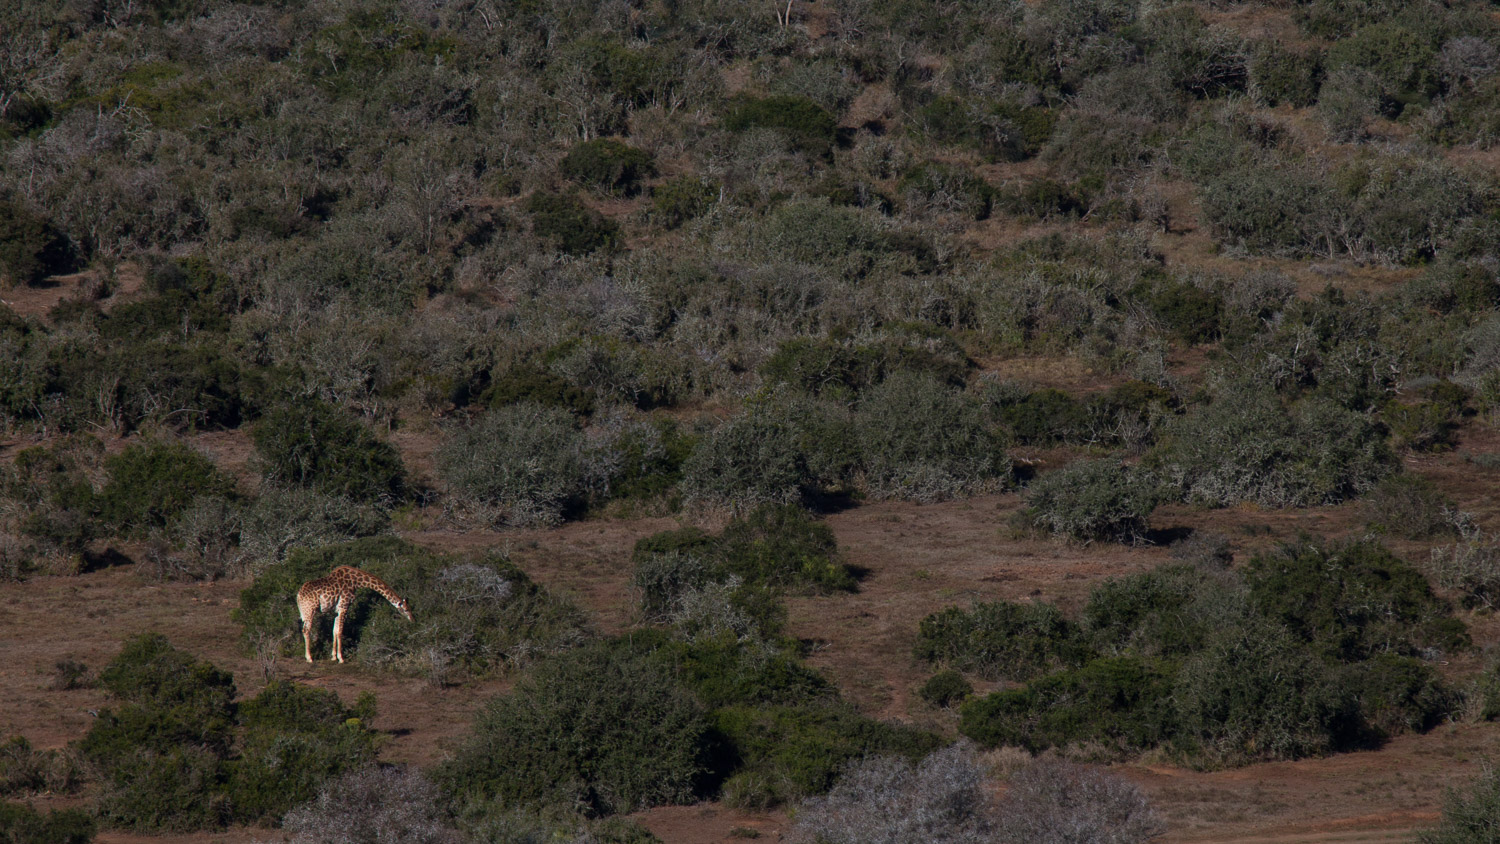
773 413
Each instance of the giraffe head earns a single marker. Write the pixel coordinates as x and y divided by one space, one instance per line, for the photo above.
401 607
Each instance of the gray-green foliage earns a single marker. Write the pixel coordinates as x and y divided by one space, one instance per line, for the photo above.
1248 446
1096 499
1470 812
521 463
600 729
281 519
921 440
942 799
373 804
1254 693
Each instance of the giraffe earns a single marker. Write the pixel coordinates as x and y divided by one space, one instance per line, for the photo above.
336 592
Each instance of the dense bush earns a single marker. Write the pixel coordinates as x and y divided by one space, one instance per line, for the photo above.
675 201
178 754
295 738
784 753
600 728
571 225
607 165
21 824
1254 693
474 616
1001 639
1280 76
1095 499
945 689
31 247
1353 601
1468 812
317 445
151 485
372 804
1168 612
939 799
1246 446
775 546
922 441
523 460
807 125
1111 705
1410 507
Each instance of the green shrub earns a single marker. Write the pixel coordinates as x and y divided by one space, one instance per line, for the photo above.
1281 76
168 700
920 440
752 459
680 199
474 616
1041 199
842 369
1095 500
151 485
21 824
1168 612
782 546
1398 694
574 227
537 386
316 445
945 689
1001 639
1401 60
807 125
25 770
295 738
163 751
785 753
726 669
1040 417
1272 208
1246 446
30 247
1190 311
1429 424
52 486
176 790
773 546
601 728
608 165
523 459
1469 813
648 460
1256 693
1117 704
1353 601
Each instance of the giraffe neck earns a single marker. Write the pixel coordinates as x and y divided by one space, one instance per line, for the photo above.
357 578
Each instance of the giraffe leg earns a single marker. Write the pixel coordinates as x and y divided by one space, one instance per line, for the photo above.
307 628
338 633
